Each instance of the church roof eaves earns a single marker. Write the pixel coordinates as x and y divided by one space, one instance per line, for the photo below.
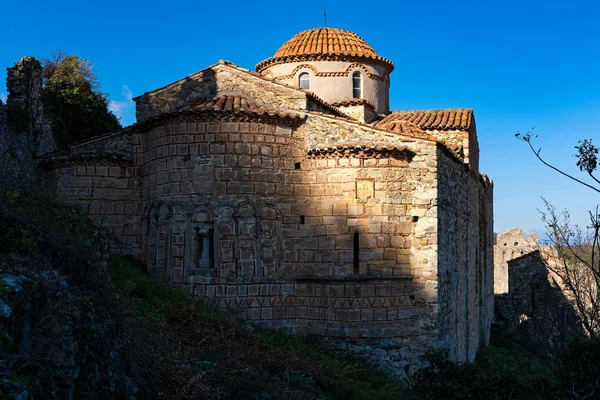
231 104
353 102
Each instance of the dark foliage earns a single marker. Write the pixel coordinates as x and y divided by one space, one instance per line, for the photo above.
72 102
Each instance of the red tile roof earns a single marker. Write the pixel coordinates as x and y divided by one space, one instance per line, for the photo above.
235 104
450 119
325 40
353 102
318 43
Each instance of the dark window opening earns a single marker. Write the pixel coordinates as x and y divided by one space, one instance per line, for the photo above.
206 248
415 218
356 85
356 257
302 219
297 165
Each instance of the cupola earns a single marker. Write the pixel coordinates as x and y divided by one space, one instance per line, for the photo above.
336 65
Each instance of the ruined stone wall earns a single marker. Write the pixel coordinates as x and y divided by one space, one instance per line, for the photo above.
24 132
465 261
509 245
25 112
535 303
104 183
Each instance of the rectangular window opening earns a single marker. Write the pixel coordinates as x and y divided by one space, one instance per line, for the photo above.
356 255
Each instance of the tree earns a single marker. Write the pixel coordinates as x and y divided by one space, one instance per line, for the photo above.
576 252
73 103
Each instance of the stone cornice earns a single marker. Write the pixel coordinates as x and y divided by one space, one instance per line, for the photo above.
328 74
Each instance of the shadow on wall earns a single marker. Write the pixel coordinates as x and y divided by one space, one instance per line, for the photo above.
535 305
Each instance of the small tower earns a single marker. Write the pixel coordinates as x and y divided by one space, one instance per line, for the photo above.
336 65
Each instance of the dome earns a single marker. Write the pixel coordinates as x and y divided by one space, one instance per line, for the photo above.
324 44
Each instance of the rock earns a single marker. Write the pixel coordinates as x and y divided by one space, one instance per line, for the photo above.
5 310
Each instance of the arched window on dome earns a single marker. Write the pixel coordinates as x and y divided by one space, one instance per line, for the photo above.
303 81
356 85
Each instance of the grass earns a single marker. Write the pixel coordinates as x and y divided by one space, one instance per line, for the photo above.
281 366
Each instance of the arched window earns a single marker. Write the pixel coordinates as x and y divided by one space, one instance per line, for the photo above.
356 85
303 81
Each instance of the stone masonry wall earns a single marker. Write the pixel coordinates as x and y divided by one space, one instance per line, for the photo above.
535 303
221 78
290 223
106 187
509 245
465 261
284 228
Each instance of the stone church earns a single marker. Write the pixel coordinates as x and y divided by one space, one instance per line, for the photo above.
295 197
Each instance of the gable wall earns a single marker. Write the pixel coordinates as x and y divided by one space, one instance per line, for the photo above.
217 80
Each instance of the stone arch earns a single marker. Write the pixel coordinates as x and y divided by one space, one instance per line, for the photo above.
163 228
247 234
202 240
180 224
269 255
225 232
356 66
152 235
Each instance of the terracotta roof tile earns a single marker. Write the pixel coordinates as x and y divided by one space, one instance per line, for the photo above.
450 119
323 42
235 104
231 105
353 102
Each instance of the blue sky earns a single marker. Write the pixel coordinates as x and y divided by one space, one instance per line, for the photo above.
519 64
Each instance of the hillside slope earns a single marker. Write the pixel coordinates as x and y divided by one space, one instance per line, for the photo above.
78 323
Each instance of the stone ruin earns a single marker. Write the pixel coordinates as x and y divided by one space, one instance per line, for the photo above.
24 131
509 245
529 296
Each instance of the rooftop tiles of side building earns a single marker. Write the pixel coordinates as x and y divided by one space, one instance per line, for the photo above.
446 119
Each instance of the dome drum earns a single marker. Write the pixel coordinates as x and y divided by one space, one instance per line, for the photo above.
335 64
